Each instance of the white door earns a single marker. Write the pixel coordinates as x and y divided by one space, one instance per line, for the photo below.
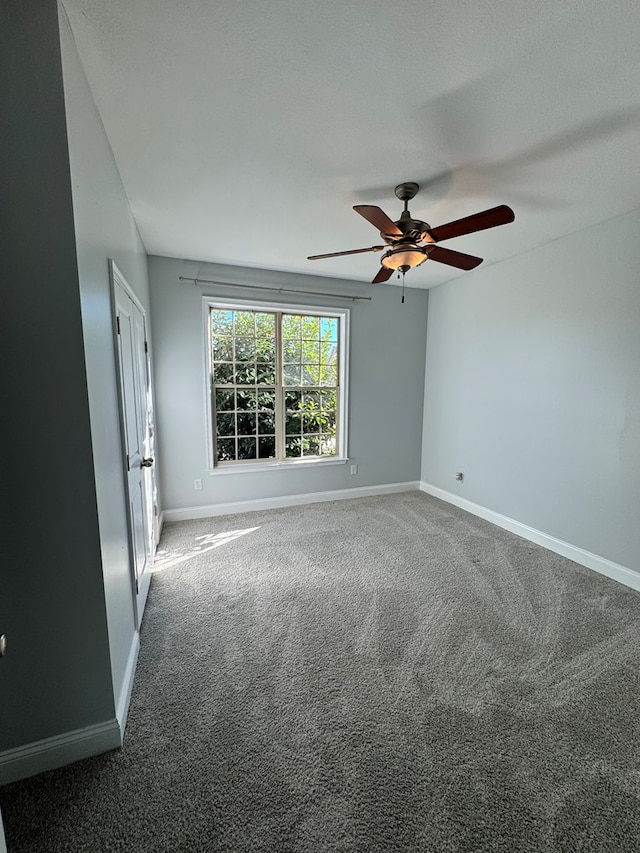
149 440
137 431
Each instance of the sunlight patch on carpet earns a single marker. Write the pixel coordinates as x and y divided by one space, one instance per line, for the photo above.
166 558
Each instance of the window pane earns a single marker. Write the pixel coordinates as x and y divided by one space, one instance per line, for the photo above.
313 374
328 400
266 423
225 400
246 399
266 374
329 329
245 349
247 448
226 448
223 348
290 326
246 423
266 350
291 374
223 373
267 447
266 400
293 447
327 445
329 375
311 419
293 423
310 351
245 373
328 421
328 352
310 327
244 323
265 324
225 424
221 321
292 401
292 351
311 447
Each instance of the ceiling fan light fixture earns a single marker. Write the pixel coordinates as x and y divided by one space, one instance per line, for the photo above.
404 256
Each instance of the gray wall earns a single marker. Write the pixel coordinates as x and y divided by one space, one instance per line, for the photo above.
56 676
386 385
533 389
104 228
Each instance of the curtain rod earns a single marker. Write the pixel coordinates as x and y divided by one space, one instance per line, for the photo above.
273 289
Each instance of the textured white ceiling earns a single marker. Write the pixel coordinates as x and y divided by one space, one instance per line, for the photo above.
245 131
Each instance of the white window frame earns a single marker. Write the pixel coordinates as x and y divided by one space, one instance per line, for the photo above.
343 315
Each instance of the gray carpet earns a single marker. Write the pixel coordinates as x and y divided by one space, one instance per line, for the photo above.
384 674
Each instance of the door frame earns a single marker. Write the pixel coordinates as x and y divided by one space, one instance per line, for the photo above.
139 591
3 842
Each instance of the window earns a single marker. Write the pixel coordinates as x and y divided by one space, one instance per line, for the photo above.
277 384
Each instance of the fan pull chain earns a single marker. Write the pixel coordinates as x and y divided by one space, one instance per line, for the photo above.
402 301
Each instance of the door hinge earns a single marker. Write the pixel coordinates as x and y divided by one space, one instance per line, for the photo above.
146 347
118 324
128 468
137 587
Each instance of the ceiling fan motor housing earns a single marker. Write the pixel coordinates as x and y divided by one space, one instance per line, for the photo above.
405 253
412 229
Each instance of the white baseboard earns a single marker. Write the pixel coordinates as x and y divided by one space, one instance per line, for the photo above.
52 752
122 709
585 558
193 512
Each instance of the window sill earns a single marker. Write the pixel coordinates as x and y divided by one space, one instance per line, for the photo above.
288 465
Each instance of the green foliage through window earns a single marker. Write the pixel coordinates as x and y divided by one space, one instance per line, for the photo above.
275 389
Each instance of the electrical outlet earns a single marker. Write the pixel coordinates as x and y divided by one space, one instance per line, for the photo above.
354 470
197 485
459 476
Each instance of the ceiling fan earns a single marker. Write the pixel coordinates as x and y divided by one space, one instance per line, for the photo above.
410 242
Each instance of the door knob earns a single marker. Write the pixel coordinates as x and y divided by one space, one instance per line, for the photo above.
3 644
147 463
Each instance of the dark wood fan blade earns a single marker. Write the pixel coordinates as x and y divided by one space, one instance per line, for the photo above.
383 275
348 252
500 215
378 218
454 259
